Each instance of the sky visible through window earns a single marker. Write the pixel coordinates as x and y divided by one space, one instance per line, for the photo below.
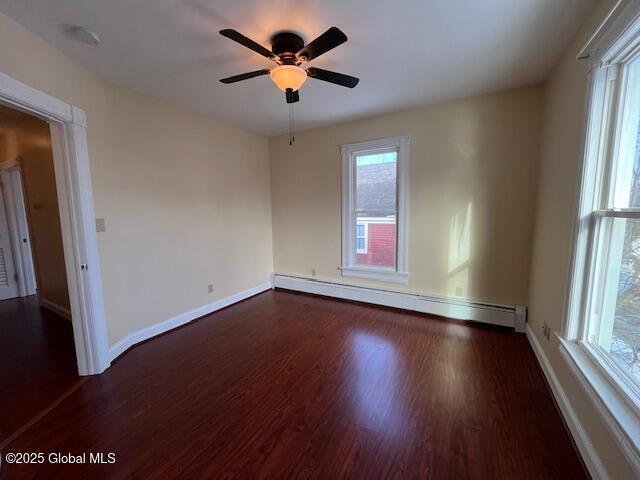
387 157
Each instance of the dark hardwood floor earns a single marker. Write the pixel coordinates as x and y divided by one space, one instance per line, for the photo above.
287 385
37 361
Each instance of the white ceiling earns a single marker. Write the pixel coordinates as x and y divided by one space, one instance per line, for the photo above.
407 53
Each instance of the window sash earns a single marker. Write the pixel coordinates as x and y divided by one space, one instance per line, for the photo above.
632 213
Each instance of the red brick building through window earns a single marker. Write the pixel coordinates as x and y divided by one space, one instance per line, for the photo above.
376 241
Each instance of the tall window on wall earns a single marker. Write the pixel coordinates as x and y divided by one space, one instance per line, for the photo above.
374 209
601 337
613 315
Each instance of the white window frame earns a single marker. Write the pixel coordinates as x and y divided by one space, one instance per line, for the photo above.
350 268
612 393
365 237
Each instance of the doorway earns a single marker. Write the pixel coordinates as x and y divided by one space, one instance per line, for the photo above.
31 251
68 137
37 353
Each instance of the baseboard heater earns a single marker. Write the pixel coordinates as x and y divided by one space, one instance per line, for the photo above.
514 316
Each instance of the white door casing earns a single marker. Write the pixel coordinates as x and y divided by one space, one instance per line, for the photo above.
16 214
8 279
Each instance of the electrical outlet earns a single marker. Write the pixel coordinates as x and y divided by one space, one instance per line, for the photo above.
210 288
459 291
546 330
100 225
313 272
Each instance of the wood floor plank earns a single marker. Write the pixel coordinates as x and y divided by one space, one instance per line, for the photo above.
287 385
37 361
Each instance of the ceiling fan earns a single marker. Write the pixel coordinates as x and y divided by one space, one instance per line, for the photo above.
289 52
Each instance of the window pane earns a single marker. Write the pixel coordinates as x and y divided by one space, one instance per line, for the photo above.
626 192
376 185
618 330
360 244
360 230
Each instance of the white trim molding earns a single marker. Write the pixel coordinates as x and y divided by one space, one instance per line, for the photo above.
25 98
77 219
617 412
349 152
373 273
182 319
583 442
456 308
55 308
615 29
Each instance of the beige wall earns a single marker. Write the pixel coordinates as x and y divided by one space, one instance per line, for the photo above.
32 142
185 198
564 102
480 151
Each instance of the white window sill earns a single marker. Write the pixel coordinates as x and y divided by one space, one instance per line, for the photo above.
616 409
379 274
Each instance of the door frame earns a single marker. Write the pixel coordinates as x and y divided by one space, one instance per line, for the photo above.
15 209
68 125
12 289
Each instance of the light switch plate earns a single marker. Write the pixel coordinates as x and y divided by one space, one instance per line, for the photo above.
100 225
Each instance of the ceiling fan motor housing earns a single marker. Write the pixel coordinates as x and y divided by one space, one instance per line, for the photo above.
285 45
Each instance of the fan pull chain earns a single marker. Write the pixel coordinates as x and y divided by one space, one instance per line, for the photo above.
292 138
293 127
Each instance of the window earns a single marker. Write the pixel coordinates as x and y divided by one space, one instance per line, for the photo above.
601 336
361 238
374 209
611 309
612 306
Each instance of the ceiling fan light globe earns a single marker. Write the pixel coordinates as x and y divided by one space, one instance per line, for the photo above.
288 76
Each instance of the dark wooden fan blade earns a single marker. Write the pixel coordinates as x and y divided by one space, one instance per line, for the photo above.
245 76
292 96
325 42
333 77
247 42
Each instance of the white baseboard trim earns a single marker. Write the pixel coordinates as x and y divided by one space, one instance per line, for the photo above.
55 308
154 330
504 315
583 442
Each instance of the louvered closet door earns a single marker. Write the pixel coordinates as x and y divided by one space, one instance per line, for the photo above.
8 282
